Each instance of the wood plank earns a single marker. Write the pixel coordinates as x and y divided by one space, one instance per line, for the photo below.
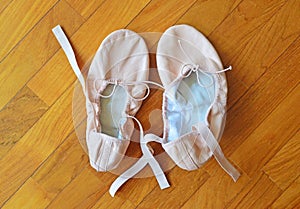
106 201
207 15
35 146
22 16
23 111
4 4
85 190
55 173
85 8
62 167
274 85
56 73
25 60
86 41
260 193
270 136
290 198
217 191
287 159
259 32
152 19
183 185
31 195
235 88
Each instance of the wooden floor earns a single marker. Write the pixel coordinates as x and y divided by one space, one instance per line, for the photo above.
42 164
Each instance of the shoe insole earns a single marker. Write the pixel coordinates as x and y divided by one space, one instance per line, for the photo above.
188 103
112 111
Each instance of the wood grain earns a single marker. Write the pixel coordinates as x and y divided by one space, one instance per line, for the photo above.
287 159
86 189
62 166
55 73
150 21
34 51
22 19
217 191
23 111
207 15
259 193
4 4
290 198
180 187
31 195
252 26
262 98
42 163
35 146
85 8
271 133
106 201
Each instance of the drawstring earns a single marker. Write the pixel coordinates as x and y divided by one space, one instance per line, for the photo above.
125 85
147 158
112 92
187 69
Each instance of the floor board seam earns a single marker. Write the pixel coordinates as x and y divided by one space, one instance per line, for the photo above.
26 34
6 7
138 14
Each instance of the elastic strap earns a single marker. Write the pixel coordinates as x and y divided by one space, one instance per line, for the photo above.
137 167
214 146
147 158
66 46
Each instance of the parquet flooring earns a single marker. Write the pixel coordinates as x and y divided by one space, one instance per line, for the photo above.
43 165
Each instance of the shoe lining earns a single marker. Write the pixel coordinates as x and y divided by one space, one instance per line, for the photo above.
112 110
188 103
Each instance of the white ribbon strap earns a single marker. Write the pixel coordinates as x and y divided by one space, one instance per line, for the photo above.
147 158
66 46
214 146
133 170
